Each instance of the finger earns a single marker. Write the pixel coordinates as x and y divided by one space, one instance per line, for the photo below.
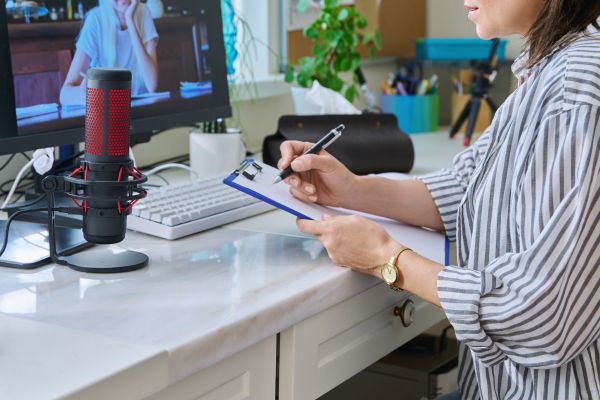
300 195
322 162
310 227
293 180
289 150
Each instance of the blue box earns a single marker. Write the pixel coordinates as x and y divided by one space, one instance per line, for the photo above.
415 114
457 49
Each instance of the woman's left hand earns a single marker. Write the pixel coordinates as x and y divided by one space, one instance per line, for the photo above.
130 12
353 241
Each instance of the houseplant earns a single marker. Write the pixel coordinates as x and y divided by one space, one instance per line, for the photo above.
336 35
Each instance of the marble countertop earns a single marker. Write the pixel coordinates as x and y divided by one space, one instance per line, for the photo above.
200 300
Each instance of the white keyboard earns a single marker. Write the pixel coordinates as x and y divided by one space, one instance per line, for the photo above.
183 209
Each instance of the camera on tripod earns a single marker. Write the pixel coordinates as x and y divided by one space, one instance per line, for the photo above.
484 74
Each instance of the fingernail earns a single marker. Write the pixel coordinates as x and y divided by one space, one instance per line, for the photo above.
294 182
312 198
309 189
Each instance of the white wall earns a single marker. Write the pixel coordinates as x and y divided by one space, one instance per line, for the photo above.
447 18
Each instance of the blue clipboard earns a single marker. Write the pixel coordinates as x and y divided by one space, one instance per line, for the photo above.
256 179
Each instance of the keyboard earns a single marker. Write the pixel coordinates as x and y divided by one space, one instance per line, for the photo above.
182 209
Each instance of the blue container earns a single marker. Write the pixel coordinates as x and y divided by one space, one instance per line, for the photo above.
457 49
415 114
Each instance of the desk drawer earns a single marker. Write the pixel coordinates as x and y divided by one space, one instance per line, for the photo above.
323 351
247 375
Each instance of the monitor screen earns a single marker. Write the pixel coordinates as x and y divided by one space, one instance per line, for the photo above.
175 53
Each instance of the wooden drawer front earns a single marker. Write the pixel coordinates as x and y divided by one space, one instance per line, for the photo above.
323 351
248 375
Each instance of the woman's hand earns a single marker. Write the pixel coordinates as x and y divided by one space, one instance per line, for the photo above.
130 12
318 178
353 241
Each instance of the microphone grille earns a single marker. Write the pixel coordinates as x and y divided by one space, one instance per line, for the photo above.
94 121
119 108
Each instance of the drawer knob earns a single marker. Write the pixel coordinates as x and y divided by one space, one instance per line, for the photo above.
406 312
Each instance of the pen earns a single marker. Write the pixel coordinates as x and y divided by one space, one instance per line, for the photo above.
322 144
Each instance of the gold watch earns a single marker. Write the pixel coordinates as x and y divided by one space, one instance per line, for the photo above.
390 272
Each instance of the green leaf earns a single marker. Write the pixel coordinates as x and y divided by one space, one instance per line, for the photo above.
361 23
311 32
332 38
343 15
377 40
371 53
368 37
330 4
302 5
350 93
333 82
289 74
319 50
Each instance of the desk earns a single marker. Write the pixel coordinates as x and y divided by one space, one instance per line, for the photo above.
207 319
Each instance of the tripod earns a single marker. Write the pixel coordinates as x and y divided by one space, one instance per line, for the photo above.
484 75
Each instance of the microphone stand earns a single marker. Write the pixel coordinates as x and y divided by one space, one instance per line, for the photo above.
103 261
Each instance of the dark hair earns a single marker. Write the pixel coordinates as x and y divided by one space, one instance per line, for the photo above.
558 23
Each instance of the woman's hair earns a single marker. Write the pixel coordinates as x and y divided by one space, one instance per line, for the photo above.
109 23
558 23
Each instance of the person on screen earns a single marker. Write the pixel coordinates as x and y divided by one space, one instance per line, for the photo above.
116 33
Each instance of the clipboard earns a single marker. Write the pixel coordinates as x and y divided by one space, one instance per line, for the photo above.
256 179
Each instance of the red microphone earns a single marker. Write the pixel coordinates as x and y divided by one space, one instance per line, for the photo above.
106 160
106 185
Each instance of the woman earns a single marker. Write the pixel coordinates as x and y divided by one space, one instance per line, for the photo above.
120 34
523 204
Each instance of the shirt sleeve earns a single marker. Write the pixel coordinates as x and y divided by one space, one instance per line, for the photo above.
148 29
539 306
448 186
87 41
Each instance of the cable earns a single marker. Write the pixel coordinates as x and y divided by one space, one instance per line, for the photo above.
7 161
168 166
17 180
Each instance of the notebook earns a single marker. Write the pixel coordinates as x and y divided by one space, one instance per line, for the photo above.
256 179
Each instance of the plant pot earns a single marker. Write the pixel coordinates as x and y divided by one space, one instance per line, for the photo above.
216 153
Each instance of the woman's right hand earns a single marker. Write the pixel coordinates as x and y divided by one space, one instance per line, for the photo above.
317 178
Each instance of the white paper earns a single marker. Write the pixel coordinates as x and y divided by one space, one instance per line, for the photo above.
423 241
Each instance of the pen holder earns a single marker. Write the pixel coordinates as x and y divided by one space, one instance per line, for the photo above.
216 153
415 114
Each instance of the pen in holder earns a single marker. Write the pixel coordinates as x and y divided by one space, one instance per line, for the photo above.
215 149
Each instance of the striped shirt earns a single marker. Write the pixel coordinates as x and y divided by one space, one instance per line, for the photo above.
523 204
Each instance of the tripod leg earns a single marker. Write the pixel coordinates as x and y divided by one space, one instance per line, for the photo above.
492 105
461 119
475 106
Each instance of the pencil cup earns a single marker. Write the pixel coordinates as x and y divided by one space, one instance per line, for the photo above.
216 153
415 114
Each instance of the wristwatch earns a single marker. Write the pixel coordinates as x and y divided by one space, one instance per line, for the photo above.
390 272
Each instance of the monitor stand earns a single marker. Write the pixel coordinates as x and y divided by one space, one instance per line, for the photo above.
28 244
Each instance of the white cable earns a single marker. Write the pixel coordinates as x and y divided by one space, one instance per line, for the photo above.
132 156
169 166
16 182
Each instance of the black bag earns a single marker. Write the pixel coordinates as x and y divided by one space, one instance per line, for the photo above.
371 143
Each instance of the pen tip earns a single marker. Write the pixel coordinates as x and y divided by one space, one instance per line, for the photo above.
277 180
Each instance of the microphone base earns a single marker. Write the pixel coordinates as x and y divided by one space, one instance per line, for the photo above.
105 261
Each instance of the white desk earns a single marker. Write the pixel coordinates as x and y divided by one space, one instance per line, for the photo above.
205 318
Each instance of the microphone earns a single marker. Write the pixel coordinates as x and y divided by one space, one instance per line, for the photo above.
106 185
107 120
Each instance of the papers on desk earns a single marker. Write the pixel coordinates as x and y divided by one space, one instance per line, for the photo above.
195 86
34 111
433 245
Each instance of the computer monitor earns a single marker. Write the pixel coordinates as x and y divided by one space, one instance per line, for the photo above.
37 58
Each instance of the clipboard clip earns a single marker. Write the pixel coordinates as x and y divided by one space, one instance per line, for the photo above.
249 168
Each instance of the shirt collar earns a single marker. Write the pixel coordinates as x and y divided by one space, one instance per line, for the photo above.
522 72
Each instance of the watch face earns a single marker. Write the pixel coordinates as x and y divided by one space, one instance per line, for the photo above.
389 274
